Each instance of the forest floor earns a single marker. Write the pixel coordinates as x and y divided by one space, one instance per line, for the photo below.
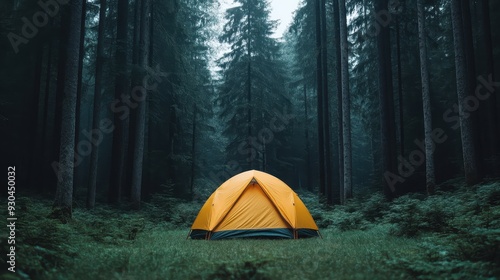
454 234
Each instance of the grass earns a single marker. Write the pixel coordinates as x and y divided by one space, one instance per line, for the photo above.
366 239
166 254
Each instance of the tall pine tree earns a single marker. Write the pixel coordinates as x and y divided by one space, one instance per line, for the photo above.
252 84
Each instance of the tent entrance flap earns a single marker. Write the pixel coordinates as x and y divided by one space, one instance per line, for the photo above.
253 210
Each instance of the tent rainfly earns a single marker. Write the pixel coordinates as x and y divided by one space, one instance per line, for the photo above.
253 204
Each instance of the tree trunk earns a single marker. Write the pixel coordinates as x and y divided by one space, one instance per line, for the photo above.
94 156
249 89
386 105
426 101
137 32
346 103
326 107
61 77
308 147
36 147
193 149
77 173
64 194
319 90
340 135
492 125
140 127
470 69
135 78
120 118
400 90
46 152
463 89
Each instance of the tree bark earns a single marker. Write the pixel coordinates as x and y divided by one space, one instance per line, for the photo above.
64 194
193 150
326 107
319 90
94 156
463 89
340 135
492 125
400 90
138 158
470 69
386 105
45 119
346 103
61 77
308 146
249 88
77 173
35 146
120 118
426 101
135 77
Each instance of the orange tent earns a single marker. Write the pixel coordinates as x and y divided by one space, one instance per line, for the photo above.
253 204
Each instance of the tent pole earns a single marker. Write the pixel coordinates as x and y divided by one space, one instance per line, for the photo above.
319 233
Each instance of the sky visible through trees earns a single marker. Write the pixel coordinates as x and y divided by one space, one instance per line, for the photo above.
281 10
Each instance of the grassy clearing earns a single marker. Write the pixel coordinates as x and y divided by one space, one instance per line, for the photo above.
454 235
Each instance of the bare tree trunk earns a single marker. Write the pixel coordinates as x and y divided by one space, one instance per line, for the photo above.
138 159
340 135
346 104
135 77
94 156
426 101
64 194
249 89
387 124
308 146
470 69
61 77
463 89
400 90
193 150
326 107
319 90
492 125
77 173
120 118
35 147
45 118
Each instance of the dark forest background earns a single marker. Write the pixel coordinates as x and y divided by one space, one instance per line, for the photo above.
114 101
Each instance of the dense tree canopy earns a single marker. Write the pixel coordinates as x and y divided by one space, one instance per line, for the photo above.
115 101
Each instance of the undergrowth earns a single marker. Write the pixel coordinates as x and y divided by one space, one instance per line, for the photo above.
450 235
458 230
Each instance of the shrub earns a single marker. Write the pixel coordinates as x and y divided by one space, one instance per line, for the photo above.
478 245
412 216
374 207
349 221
